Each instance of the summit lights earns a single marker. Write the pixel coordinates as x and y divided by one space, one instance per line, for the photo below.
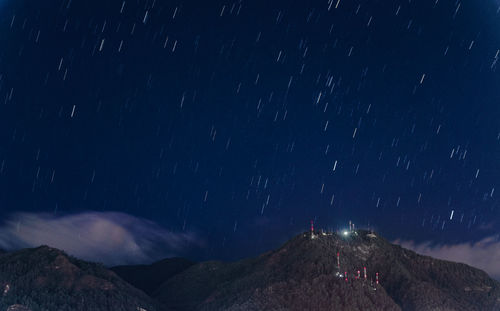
312 230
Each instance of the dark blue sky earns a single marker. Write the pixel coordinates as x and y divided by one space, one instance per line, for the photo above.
243 120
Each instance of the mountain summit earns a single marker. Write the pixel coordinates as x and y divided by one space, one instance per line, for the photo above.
326 271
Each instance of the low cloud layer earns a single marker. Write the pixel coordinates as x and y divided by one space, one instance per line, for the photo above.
484 254
107 237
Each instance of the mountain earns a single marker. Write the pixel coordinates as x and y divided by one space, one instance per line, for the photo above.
44 278
149 277
319 273
303 275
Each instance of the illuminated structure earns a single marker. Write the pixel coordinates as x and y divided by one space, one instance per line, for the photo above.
312 230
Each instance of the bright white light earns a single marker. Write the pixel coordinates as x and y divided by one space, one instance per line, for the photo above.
346 233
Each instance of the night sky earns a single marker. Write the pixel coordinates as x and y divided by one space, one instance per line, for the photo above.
241 121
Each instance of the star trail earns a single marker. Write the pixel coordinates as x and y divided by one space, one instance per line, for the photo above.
242 121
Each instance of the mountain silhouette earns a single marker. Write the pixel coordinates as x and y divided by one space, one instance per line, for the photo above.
149 277
304 274
45 278
320 271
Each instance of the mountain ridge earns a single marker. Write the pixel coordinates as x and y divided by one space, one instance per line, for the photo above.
351 270
149 277
303 275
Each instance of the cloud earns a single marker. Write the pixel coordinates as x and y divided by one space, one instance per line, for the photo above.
108 237
484 254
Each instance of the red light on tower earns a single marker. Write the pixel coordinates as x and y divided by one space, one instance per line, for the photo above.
346 276
364 270
376 278
312 230
359 275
